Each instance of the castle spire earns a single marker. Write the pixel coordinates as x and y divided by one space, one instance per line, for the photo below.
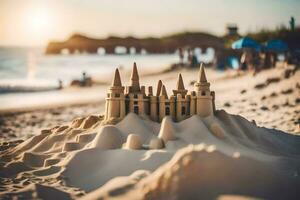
180 85
164 92
134 74
159 85
117 80
202 76
134 79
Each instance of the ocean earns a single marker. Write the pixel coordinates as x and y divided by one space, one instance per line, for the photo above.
29 78
30 67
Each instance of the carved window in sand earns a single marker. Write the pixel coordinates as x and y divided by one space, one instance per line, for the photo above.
183 110
117 95
136 110
203 93
167 110
135 102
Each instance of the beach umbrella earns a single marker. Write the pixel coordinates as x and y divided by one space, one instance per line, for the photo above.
276 46
246 43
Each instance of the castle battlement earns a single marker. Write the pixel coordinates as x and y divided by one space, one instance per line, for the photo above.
180 105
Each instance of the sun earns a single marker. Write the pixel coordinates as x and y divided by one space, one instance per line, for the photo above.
39 21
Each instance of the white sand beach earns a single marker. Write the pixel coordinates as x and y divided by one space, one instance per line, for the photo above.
141 159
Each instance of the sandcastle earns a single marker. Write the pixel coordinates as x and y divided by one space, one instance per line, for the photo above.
181 105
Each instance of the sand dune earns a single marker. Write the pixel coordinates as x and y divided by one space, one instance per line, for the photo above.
86 156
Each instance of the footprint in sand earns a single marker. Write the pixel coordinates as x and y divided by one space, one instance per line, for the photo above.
264 108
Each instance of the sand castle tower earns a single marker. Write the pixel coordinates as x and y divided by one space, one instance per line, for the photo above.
154 113
115 100
166 104
137 102
182 100
202 96
134 81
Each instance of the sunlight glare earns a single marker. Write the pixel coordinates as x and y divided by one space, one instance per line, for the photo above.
39 21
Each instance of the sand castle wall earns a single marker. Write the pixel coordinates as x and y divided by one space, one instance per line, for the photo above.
179 106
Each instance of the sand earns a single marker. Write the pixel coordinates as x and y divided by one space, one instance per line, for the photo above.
87 156
226 156
276 105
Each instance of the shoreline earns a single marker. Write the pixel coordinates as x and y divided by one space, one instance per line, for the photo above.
48 107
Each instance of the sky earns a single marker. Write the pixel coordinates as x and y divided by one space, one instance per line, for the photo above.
36 22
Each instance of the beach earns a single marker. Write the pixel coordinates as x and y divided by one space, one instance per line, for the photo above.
69 152
149 100
273 106
58 142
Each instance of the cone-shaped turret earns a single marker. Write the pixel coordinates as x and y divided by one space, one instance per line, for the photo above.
202 76
164 92
202 84
117 80
134 79
159 85
134 74
180 87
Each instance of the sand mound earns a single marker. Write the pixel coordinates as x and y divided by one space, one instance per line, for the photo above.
133 142
156 143
236 151
187 176
108 137
168 130
90 121
132 123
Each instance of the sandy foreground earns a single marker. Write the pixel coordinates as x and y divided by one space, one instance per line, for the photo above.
251 153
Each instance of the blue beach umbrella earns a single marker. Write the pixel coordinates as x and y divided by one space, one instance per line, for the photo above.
246 43
276 46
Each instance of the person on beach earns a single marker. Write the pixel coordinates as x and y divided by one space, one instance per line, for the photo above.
181 55
243 61
60 84
192 59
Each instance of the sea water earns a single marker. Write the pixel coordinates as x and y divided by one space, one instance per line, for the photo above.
30 67
29 78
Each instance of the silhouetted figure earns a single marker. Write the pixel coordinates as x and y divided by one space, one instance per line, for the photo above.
190 56
83 77
86 81
181 55
274 59
243 61
194 62
267 60
60 84
256 63
292 23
